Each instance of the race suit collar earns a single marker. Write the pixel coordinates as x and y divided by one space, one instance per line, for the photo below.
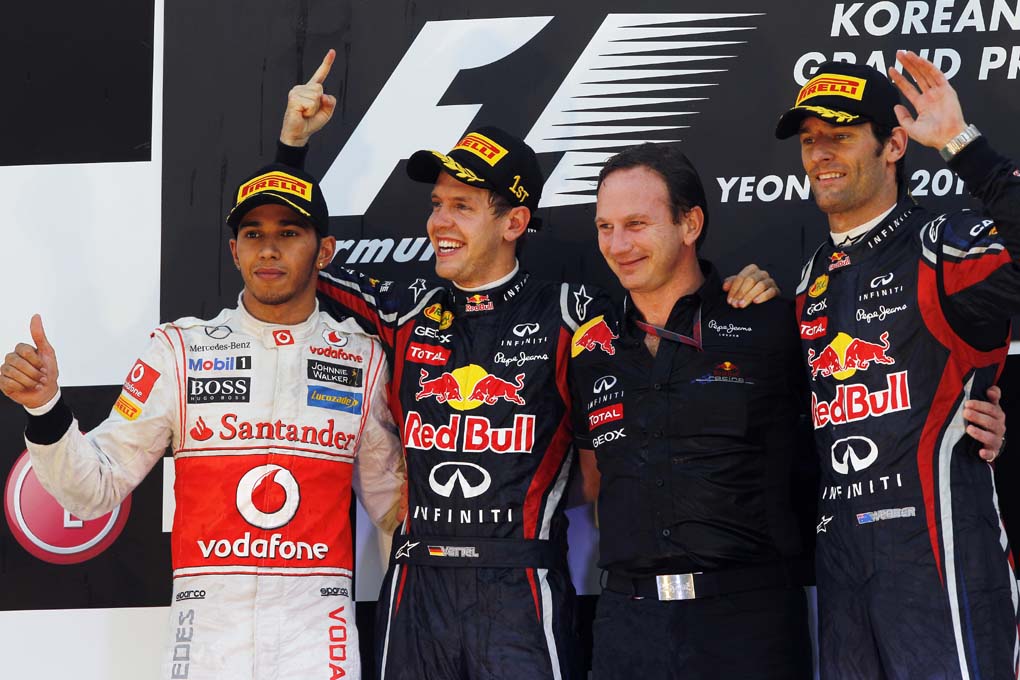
492 296
274 335
848 238
861 249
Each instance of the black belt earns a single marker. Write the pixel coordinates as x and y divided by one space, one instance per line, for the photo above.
446 551
702 584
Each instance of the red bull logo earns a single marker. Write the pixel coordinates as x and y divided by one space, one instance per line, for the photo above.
856 402
474 434
478 303
468 387
838 260
444 388
593 335
846 355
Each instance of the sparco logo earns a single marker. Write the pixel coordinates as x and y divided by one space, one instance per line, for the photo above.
577 122
218 390
453 474
856 452
268 496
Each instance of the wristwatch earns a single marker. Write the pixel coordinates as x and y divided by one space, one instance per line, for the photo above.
956 144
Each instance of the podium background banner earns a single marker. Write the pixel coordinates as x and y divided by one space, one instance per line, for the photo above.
126 129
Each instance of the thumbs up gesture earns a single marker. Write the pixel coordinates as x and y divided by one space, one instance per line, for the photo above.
29 373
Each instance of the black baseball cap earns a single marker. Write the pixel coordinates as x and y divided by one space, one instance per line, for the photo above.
843 94
282 184
488 158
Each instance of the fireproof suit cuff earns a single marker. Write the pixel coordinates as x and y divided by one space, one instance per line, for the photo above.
294 156
49 427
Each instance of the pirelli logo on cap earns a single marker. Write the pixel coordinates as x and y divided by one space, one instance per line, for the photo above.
483 147
275 181
832 85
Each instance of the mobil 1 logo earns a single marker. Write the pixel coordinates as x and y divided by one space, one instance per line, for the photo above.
341 374
218 390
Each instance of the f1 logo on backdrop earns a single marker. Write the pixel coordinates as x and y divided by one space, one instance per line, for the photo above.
49 532
612 72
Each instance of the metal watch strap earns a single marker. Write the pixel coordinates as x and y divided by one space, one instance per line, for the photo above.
956 144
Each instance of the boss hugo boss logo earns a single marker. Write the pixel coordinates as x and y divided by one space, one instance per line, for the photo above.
218 390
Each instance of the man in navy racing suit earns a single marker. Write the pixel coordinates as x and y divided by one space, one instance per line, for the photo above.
904 314
478 585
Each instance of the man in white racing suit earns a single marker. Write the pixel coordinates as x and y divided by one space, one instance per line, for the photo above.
272 411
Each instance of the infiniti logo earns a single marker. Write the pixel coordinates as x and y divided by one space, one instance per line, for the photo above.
856 452
606 382
883 280
522 329
467 489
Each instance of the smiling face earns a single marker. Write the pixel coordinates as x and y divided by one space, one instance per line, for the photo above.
853 177
279 255
473 246
651 253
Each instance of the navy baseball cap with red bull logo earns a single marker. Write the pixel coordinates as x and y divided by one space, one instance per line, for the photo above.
284 185
487 158
843 94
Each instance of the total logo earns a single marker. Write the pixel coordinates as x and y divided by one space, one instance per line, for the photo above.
48 531
472 480
858 453
815 328
846 355
604 416
479 386
594 334
434 355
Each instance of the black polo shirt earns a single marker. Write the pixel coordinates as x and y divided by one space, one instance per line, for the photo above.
701 452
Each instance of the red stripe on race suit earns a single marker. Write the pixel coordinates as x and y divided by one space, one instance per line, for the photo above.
959 275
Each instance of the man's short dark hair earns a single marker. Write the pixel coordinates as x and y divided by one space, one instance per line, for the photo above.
882 134
677 171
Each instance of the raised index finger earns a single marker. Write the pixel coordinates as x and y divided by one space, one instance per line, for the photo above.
320 73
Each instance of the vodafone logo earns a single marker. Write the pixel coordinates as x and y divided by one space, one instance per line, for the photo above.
333 338
268 496
49 532
283 338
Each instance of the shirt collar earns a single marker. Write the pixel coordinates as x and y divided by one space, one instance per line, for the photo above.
492 295
681 317
848 238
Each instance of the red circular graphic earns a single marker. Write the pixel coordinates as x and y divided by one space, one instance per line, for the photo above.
269 496
46 530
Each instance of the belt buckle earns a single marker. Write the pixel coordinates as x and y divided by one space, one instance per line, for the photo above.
675 586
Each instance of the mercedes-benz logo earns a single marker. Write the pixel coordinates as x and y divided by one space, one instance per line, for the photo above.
606 382
856 452
218 332
479 481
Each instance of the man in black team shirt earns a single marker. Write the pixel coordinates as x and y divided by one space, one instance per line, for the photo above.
904 314
478 585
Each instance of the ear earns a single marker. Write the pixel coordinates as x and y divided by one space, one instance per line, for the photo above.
233 252
691 224
896 145
517 223
327 248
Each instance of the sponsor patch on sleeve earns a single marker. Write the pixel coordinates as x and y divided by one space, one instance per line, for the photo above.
140 381
127 408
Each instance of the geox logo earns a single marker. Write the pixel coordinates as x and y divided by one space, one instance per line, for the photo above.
600 106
